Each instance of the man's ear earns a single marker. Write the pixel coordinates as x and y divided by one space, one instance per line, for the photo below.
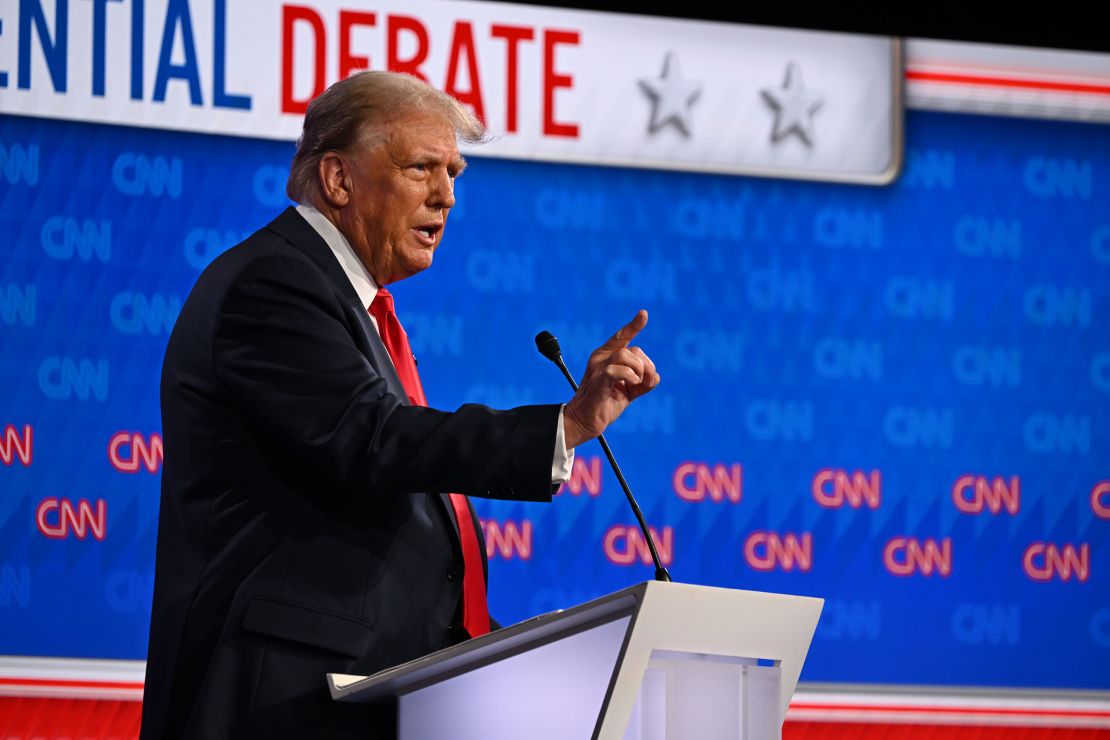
334 184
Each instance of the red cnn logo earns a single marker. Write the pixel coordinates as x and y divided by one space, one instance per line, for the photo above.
127 451
12 445
584 473
974 492
695 481
508 540
1044 561
1100 499
768 551
832 487
904 556
624 544
56 518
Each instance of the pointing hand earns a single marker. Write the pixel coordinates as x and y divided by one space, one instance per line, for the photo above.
617 373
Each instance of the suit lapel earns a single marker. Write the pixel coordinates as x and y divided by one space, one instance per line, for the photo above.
378 354
298 232
292 227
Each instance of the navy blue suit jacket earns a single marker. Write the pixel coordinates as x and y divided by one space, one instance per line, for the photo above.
295 537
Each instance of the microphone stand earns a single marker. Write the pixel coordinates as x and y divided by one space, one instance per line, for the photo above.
549 347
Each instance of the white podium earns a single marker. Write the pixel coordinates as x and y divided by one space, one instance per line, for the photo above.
656 661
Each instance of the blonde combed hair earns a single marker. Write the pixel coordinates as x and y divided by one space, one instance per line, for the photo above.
363 106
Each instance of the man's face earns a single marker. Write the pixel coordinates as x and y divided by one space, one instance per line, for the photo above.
400 193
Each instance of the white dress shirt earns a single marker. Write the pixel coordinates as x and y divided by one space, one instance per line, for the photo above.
366 288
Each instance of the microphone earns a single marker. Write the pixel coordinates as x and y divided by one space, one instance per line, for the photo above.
548 346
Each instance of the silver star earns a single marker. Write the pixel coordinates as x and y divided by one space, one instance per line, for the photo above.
794 107
671 96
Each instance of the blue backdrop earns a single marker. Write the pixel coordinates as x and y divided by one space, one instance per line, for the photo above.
894 398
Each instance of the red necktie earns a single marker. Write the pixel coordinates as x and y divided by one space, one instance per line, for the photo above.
475 610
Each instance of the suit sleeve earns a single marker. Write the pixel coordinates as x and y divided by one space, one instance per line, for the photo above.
284 351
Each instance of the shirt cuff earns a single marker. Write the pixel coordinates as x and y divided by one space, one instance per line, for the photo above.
563 458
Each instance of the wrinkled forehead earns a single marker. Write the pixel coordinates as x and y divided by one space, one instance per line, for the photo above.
426 122
410 132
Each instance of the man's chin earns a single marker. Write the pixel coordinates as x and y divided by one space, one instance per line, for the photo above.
412 267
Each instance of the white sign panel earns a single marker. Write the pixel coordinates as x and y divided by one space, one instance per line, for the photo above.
572 86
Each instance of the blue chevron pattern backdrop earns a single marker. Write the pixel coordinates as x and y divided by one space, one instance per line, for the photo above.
895 398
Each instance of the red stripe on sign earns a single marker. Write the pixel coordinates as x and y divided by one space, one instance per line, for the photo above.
963 79
833 730
22 717
954 710
70 684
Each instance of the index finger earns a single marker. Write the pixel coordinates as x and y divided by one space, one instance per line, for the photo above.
627 332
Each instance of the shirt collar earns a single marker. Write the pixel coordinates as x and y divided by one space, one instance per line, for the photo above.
363 282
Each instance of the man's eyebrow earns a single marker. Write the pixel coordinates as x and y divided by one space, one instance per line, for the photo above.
433 159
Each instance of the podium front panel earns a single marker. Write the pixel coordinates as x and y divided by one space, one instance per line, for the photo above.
552 692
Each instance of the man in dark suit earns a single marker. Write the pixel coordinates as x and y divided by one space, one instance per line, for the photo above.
307 522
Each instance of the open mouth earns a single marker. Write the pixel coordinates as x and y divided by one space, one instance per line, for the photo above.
428 232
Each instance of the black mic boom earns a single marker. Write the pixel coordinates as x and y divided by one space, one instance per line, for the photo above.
548 346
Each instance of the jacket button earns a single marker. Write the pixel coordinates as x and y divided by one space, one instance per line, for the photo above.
450 576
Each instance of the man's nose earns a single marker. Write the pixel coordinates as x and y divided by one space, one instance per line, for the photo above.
442 193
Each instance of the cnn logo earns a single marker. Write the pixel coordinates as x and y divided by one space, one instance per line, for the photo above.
766 551
625 544
57 518
1100 499
833 488
973 493
907 556
694 481
507 540
130 451
17 445
585 475
1045 561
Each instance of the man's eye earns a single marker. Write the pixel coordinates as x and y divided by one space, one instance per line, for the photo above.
419 167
